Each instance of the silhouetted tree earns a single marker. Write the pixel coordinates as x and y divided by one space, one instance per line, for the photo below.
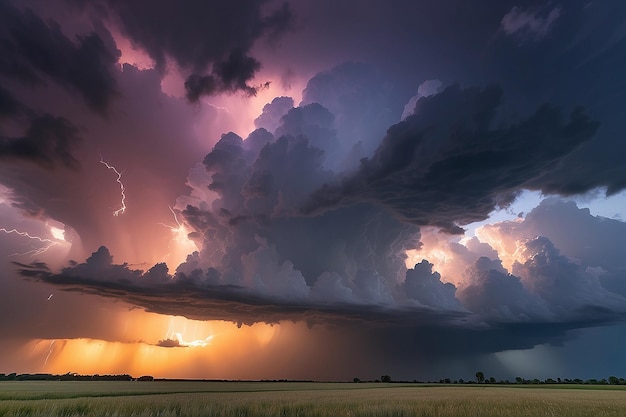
480 377
356 380
385 378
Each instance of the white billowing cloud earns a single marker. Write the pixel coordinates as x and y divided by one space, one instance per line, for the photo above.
273 112
591 242
425 89
563 284
266 275
529 24
330 288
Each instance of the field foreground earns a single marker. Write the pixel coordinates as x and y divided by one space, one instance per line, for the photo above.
226 399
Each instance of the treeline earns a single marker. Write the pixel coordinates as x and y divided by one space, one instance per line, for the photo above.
612 380
72 377
481 379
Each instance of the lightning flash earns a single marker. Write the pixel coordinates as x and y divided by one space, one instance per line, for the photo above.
182 244
122 209
48 243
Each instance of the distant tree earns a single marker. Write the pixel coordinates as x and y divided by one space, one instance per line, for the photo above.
385 378
461 381
357 380
480 377
492 380
146 378
447 380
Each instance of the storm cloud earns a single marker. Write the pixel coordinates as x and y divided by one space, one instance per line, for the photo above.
447 165
333 205
210 41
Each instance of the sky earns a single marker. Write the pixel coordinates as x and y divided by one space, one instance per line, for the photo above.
313 190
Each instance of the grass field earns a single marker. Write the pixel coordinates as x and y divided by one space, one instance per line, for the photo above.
226 399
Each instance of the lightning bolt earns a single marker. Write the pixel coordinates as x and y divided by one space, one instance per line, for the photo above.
50 349
122 209
175 219
218 107
34 252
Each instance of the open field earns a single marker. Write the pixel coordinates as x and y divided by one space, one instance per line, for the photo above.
226 399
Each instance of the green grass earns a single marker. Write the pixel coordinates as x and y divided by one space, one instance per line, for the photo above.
226 399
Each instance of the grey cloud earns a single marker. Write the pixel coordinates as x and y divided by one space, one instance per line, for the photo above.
498 296
527 24
180 295
363 105
564 285
169 343
425 89
9 105
425 286
35 51
47 141
408 334
578 61
210 40
269 119
448 165
228 76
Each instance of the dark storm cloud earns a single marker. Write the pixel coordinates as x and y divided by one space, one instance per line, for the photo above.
498 324
227 77
197 298
455 160
211 40
261 261
47 141
169 343
568 53
36 51
9 105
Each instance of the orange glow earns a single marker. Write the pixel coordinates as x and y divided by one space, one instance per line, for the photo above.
509 249
180 245
208 349
436 250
